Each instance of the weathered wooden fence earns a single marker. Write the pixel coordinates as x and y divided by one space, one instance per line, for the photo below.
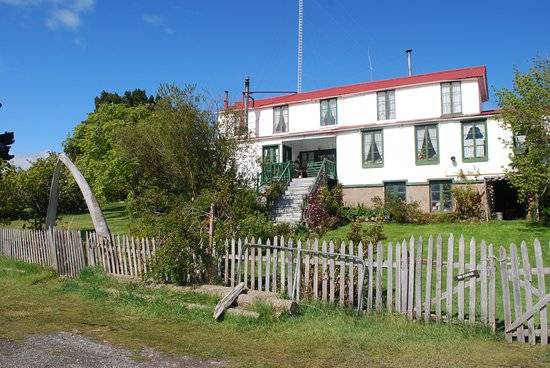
60 249
123 255
69 251
428 279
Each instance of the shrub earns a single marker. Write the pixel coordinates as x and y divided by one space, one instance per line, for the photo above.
332 200
372 233
362 212
316 216
468 201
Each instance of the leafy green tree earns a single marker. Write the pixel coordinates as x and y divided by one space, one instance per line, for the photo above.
6 140
93 147
132 98
525 110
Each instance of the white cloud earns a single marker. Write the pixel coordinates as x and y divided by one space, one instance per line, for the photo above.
25 161
61 13
157 21
65 18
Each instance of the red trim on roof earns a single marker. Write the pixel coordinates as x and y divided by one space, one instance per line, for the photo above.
479 72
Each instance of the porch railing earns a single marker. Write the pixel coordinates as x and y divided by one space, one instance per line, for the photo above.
326 166
282 172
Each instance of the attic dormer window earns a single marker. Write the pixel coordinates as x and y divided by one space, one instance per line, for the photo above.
280 119
328 112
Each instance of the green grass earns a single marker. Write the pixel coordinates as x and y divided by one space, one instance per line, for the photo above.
34 300
115 214
495 232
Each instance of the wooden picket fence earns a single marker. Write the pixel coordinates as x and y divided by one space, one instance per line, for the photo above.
417 278
60 249
123 255
69 251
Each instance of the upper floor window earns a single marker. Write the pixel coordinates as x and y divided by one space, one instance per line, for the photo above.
328 112
386 105
474 140
451 98
280 119
396 190
373 149
427 144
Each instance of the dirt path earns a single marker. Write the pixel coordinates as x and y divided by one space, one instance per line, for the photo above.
66 349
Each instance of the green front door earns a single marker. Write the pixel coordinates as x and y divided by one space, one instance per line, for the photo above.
316 156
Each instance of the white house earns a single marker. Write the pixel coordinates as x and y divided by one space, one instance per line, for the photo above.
410 136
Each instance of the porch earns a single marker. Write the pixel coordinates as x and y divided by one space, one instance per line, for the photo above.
298 158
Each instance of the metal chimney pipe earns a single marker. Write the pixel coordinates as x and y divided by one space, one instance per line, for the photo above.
246 95
226 99
409 61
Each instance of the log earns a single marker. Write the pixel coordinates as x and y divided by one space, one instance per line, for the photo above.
252 297
228 300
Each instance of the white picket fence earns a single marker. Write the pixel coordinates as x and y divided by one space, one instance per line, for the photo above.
422 279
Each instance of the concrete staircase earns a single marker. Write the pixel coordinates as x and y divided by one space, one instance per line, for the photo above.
289 207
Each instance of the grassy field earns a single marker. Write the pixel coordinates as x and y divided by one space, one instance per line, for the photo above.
34 300
115 213
495 232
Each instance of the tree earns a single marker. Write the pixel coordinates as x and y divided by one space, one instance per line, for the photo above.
525 111
94 148
132 98
6 140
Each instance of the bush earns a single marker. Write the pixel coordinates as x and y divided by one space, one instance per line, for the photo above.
469 204
361 212
372 233
323 209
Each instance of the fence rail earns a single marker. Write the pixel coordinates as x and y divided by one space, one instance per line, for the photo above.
433 279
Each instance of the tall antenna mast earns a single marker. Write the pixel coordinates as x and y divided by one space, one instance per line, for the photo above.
300 37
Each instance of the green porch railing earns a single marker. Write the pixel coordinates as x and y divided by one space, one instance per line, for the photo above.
276 171
329 167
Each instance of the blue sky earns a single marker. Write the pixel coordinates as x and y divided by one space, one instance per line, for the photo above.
56 55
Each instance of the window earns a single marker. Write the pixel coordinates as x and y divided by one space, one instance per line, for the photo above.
397 190
427 144
441 198
373 148
386 105
270 154
280 119
451 98
328 112
474 141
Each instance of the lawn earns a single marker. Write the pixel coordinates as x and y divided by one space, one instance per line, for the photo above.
115 214
495 232
34 300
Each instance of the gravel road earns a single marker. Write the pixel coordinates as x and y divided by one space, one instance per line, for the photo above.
68 349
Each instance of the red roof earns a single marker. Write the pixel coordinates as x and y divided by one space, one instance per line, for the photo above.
479 72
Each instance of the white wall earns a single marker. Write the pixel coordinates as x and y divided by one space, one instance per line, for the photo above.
412 103
399 156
